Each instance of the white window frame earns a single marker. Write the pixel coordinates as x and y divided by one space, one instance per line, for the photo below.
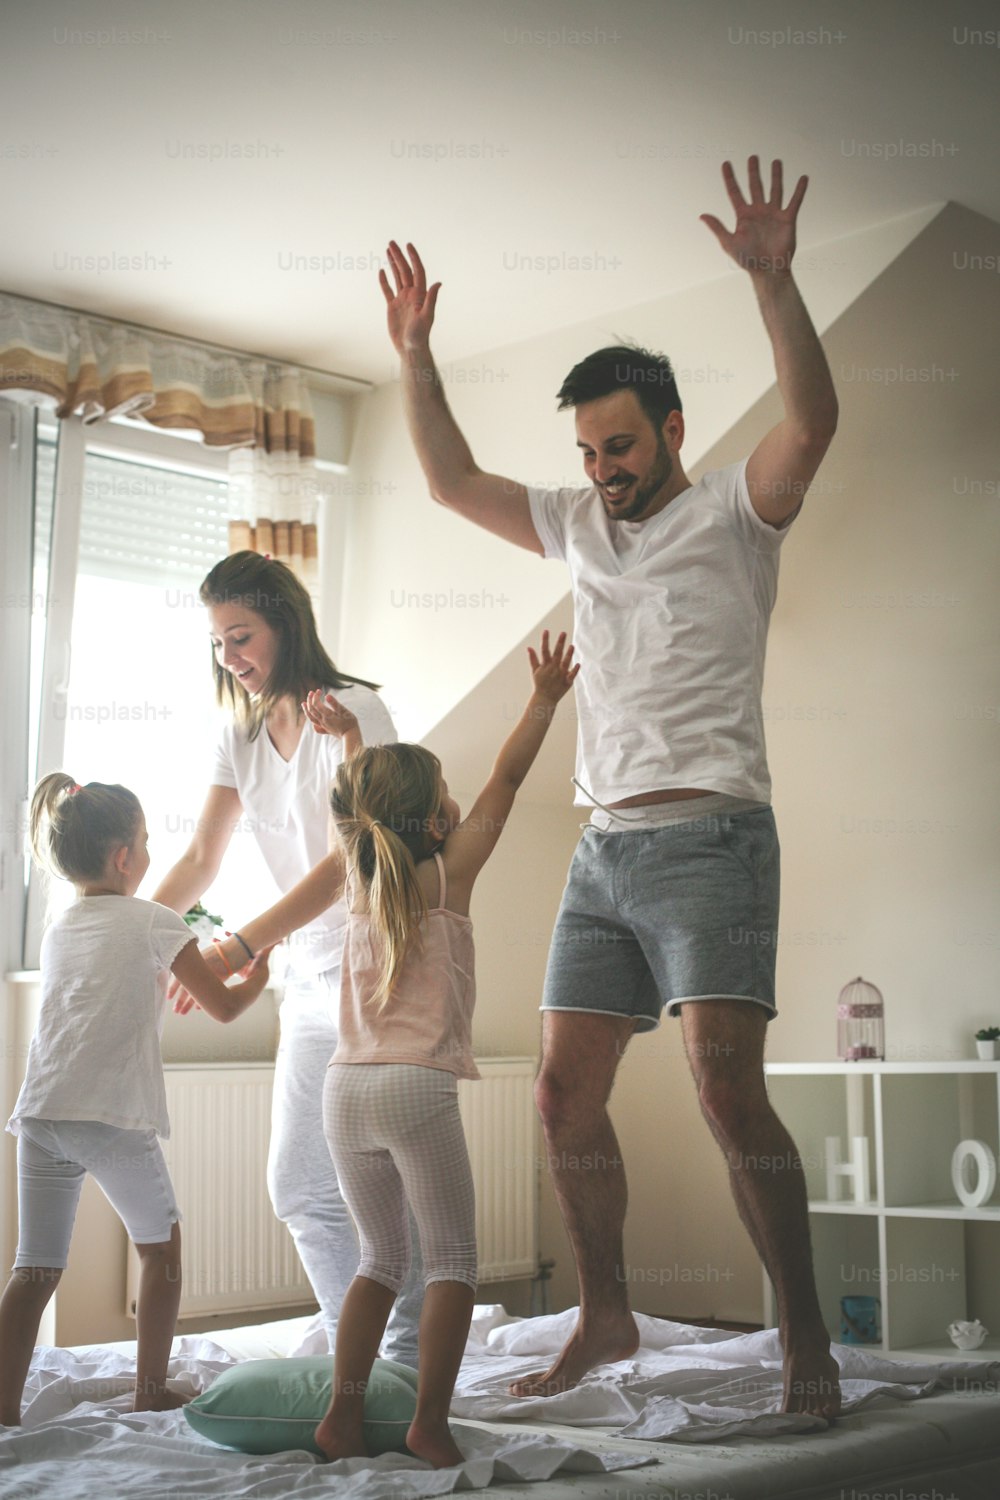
17 478
119 438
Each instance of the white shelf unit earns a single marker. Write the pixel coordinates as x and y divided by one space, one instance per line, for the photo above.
914 1245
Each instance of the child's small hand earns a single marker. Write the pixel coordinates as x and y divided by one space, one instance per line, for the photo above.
328 715
554 674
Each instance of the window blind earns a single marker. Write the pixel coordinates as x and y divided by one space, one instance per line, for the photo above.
138 522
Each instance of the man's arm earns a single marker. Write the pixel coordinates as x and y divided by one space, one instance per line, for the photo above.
784 463
453 476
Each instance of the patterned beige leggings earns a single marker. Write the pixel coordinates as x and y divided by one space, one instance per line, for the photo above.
395 1135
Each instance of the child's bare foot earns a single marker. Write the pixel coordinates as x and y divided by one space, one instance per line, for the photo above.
435 1445
337 1441
581 1352
165 1400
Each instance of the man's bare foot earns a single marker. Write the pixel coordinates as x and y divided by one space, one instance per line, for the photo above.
435 1445
601 1345
812 1381
165 1400
337 1441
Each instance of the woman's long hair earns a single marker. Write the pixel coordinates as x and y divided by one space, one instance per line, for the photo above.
384 800
269 589
74 828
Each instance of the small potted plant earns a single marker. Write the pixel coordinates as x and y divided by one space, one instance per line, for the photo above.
203 924
986 1042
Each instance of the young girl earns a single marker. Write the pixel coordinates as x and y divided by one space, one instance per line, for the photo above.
93 1098
390 1106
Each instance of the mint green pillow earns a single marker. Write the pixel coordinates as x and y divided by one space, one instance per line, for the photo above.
271 1405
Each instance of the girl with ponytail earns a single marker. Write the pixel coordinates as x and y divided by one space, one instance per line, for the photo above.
390 1105
93 1098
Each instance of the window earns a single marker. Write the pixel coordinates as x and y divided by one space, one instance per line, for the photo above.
132 695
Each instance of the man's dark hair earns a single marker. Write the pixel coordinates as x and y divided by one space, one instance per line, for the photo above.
624 367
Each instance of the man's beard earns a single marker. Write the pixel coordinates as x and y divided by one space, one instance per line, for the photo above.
646 492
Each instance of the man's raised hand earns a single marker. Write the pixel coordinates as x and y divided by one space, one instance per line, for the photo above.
411 305
763 241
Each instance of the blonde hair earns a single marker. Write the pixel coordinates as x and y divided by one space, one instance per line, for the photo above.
383 799
72 829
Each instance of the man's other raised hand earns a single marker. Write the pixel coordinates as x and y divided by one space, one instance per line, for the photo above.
763 241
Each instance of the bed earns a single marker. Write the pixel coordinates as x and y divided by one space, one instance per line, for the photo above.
694 1416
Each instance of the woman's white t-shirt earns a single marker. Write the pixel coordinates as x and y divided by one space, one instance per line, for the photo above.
671 618
95 1053
286 808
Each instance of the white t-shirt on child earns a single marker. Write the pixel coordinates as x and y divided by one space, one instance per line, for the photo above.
286 807
671 618
95 1054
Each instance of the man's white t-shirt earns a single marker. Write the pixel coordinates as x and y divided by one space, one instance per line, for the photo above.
670 632
95 1053
286 807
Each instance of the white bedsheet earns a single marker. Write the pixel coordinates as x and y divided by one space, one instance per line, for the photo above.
694 1388
78 1440
684 1384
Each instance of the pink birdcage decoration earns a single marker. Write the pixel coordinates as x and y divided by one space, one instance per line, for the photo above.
860 1022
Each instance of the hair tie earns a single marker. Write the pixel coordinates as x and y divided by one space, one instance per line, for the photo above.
222 955
72 791
243 944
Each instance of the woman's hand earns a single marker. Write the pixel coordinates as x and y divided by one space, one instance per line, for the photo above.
554 674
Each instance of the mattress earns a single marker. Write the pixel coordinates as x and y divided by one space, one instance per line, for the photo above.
912 1432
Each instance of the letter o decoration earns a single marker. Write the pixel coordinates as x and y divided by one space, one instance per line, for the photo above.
986 1172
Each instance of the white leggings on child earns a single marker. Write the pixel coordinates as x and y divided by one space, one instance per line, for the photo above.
54 1157
395 1135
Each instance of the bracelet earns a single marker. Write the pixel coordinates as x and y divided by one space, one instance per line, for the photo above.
243 944
225 960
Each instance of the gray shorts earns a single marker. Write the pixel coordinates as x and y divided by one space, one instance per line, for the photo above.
661 916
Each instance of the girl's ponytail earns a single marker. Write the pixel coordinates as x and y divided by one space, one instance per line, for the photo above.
384 799
72 829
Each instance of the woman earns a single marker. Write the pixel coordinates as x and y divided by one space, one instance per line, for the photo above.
272 769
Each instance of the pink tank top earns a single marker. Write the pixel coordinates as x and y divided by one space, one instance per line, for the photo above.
428 1017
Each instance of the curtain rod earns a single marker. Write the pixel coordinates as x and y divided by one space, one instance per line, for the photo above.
182 338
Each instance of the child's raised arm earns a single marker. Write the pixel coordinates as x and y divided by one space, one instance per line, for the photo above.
223 1002
328 715
470 845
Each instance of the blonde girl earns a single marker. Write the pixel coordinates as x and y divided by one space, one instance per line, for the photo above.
93 1096
390 1099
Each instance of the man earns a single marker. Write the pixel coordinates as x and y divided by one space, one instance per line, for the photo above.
672 895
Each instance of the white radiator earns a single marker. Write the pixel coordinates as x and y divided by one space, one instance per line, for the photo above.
501 1128
238 1257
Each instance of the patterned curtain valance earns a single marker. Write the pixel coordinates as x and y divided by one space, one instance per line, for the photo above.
257 408
97 369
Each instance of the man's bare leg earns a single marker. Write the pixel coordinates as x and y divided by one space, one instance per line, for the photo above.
580 1055
724 1040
